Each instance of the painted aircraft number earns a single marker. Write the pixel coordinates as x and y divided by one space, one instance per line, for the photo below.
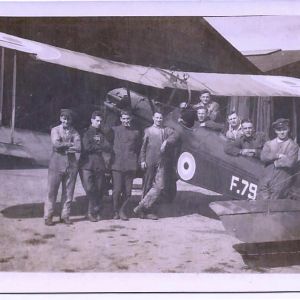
243 187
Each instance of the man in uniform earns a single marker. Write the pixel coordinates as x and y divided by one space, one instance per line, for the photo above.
204 121
249 144
280 155
234 126
213 108
157 158
95 144
126 147
63 167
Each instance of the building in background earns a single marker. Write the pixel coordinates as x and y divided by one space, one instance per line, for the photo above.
181 43
282 63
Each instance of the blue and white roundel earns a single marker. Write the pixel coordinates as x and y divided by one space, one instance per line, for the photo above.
186 166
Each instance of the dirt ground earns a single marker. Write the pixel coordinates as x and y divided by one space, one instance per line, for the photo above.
187 238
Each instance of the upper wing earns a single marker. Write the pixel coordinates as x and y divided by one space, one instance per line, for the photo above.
218 84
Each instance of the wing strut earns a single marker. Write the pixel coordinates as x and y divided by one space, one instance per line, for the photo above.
13 109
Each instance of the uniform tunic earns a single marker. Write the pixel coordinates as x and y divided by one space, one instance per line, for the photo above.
63 169
95 144
277 173
256 141
126 148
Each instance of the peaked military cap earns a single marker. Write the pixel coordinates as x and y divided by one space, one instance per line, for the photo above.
281 123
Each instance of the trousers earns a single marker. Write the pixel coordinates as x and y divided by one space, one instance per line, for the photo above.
274 183
148 178
156 189
93 183
122 187
67 179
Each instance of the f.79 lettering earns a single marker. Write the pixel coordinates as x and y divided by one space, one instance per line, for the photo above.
243 187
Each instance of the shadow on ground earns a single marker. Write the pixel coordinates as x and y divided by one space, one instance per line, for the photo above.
270 254
186 203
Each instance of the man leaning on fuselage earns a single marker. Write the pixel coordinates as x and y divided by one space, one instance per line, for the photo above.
157 159
249 144
203 121
234 130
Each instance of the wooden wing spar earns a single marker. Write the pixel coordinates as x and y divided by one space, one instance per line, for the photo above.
218 84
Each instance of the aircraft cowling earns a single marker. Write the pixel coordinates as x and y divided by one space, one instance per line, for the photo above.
141 107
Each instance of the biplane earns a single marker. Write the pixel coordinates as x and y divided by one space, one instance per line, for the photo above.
201 161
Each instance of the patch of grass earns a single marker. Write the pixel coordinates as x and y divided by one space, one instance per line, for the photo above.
104 230
6 259
133 228
74 250
148 242
34 242
123 234
188 261
48 236
133 242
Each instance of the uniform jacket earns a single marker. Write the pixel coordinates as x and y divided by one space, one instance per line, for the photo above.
152 141
126 148
93 151
61 158
273 148
256 141
213 109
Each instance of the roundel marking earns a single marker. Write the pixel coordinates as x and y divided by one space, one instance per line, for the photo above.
186 166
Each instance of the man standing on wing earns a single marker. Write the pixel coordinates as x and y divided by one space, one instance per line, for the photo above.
126 147
249 144
95 144
63 167
157 158
280 155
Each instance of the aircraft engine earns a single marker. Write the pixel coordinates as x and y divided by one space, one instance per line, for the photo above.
140 106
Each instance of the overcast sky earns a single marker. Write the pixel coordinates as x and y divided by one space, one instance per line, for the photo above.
259 33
